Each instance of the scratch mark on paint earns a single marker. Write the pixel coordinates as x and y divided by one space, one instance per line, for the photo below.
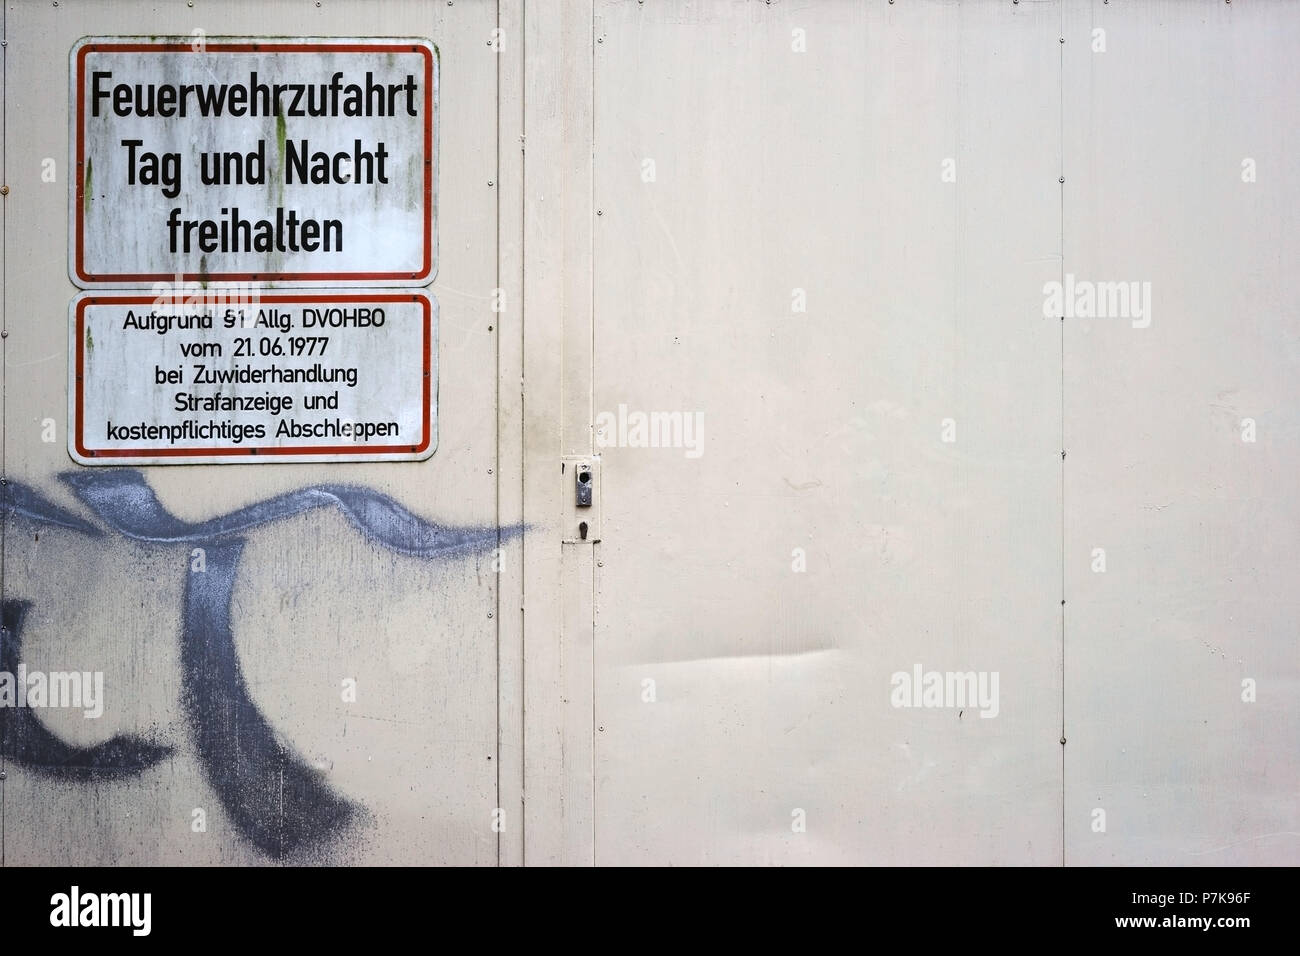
803 485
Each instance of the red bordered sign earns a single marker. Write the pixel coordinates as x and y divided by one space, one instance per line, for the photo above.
339 376
276 161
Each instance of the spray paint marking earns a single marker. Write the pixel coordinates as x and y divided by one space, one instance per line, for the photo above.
275 800
25 740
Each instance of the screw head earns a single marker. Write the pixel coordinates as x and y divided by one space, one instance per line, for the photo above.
490 183
4 334
1062 741
4 190
3 775
1062 179
489 613
600 212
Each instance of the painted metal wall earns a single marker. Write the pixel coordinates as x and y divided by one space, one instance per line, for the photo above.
824 235
406 773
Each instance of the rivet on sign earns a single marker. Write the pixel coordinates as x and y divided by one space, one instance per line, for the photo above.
490 183
4 334
1062 179
3 775
489 471
600 39
1062 741
4 190
600 212
489 613
600 564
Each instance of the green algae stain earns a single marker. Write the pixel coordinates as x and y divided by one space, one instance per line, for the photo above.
280 135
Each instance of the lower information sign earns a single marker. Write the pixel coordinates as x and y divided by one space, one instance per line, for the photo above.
337 376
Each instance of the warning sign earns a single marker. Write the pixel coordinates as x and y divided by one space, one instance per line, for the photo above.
350 375
283 162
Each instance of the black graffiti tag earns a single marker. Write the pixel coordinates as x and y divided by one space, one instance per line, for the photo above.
276 801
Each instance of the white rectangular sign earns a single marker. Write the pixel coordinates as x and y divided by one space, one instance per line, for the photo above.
277 161
331 376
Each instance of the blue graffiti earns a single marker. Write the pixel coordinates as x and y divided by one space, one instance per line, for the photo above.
25 740
275 800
